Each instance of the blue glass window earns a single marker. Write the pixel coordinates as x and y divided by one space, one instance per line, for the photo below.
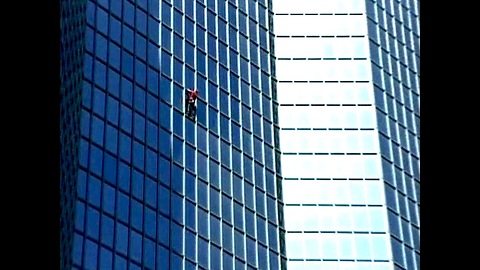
239 244
201 38
265 63
226 181
178 150
151 163
190 186
202 194
202 253
248 168
137 184
123 203
177 207
106 233
237 188
127 38
137 215
190 157
96 159
242 22
232 14
200 13
166 66
213 140
215 232
110 167
115 29
127 91
151 138
262 257
135 246
97 130
100 74
127 64
93 222
164 170
249 196
90 255
223 74
166 14
141 21
272 210
273 237
246 123
125 146
108 204
237 161
212 94
202 222
243 49
178 77
148 253
250 222
163 261
154 28
215 256
211 22
202 167
100 45
112 112
177 179
121 239
251 251
262 230
190 245
87 67
222 31
150 222
212 69
177 239
106 258
102 21
140 72
233 42
226 208
79 215
238 215
190 216
163 232
113 82
214 175
227 237
260 202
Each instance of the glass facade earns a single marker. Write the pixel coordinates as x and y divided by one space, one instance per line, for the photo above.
305 149
156 190
347 84
72 29
394 42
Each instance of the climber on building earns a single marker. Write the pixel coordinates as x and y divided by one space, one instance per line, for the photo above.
191 97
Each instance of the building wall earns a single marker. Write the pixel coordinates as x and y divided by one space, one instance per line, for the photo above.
394 41
342 148
156 190
72 29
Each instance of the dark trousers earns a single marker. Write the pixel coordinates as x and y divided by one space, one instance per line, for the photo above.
191 109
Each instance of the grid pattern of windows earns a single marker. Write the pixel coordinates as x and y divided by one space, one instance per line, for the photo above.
335 213
394 41
72 29
156 190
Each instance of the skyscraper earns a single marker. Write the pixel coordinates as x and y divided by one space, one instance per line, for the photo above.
155 189
348 93
72 31
304 153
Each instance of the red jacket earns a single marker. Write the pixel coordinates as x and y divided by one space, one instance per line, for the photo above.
192 95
